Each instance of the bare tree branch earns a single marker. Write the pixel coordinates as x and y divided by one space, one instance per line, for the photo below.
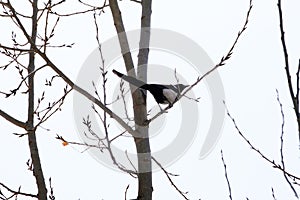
101 147
66 142
295 98
281 146
50 111
91 8
136 1
126 189
183 194
51 195
14 91
67 79
298 84
14 49
226 175
18 192
104 115
272 162
123 93
221 63
273 194
12 119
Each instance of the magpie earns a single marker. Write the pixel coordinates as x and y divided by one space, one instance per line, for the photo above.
163 94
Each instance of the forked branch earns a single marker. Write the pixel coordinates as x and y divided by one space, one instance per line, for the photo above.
275 165
221 63
281 146
183 194
294 97
15 192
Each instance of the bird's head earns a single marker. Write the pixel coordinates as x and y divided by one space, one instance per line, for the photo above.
181 87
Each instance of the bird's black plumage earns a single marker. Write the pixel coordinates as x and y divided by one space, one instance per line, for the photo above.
163 94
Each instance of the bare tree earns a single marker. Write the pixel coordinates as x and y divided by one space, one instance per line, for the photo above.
292 179
36 45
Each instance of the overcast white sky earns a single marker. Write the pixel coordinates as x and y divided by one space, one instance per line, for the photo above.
250 80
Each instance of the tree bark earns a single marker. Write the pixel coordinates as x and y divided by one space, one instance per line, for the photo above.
37 168
143 143
139 102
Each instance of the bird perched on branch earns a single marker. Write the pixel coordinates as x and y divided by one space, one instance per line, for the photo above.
163 94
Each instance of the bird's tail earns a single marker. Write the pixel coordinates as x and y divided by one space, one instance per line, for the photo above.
131 80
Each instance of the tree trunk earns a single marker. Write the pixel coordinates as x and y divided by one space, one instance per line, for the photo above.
143 143
139 104
37 169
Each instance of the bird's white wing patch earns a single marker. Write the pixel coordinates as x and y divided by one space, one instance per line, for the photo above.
170 95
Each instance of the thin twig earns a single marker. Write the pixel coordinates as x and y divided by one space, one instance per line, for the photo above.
49 112
67 79
66 142
23 80
295 99
197 99
103 117
281 145
91 9
105 146
226 175
221 63
117 136
272 162
126 189
298 85
15 49
18 192
183 194
132 165
136 1
122 90
273 194
51 195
